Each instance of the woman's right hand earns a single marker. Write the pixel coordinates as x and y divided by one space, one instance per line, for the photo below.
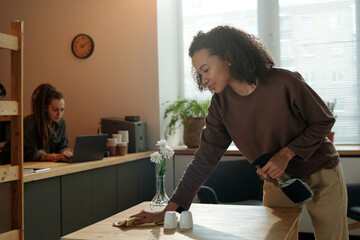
65 155
157 217
148 217
265 177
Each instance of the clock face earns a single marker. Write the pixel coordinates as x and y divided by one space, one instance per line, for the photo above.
82 46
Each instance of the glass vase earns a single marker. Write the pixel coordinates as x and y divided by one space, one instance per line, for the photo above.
160 200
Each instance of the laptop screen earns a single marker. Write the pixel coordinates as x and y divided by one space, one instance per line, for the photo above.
89 147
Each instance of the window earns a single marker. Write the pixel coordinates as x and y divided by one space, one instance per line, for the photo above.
309 77
308 50
204 15
336 48
335 20
317 39
285 29
308 23
337 77
327 52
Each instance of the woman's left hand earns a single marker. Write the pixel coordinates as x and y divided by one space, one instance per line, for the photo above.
276 166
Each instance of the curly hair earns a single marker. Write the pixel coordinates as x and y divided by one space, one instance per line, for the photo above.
248 56
40 101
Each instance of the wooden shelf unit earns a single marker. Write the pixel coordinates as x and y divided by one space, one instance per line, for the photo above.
13 110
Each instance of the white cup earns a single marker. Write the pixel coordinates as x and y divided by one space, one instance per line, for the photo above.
111 142
124 135
186 221
118 137
170 220
111 146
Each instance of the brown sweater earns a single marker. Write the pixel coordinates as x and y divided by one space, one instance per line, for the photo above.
282 111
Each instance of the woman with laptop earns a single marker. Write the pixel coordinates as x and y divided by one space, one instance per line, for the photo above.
45 136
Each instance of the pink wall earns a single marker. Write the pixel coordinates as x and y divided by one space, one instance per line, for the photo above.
121 76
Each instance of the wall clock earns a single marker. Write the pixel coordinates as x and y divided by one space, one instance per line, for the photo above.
82 46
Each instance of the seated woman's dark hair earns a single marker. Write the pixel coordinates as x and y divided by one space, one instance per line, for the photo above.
40 101
248 56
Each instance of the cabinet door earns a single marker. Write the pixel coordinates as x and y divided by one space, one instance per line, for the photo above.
104 193
136 183
127 182
76 200
42 218
146 180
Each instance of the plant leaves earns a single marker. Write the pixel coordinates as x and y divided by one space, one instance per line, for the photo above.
178 111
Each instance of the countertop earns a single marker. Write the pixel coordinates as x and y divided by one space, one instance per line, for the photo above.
59 169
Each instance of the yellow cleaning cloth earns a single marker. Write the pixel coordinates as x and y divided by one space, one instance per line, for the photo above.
129 223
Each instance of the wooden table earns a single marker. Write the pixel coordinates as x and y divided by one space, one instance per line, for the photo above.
211 221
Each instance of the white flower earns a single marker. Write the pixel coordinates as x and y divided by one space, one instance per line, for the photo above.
167 152
161 144
156 157
159 157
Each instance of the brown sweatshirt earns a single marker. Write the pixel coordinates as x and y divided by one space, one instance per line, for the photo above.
282 111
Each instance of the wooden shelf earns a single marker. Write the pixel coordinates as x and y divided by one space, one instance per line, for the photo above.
8 174
14 108
9 108
11 235
9 42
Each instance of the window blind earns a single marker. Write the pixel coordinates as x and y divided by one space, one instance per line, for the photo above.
318 38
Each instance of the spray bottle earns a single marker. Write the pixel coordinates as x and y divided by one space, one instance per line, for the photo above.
294 188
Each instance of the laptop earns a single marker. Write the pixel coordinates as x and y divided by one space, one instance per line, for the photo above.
89 148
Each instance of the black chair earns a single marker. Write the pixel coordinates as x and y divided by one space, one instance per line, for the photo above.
233 182
353 212
207 195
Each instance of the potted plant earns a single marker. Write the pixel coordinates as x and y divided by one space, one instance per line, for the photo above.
331 106
187 113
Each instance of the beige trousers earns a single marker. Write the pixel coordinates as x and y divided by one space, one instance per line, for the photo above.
327 209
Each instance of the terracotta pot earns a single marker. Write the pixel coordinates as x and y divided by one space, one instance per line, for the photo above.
192 131
330 136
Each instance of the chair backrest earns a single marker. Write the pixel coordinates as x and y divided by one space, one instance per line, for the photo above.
235 180
207 195
353 190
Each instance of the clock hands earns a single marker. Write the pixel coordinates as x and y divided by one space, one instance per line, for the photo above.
82 45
